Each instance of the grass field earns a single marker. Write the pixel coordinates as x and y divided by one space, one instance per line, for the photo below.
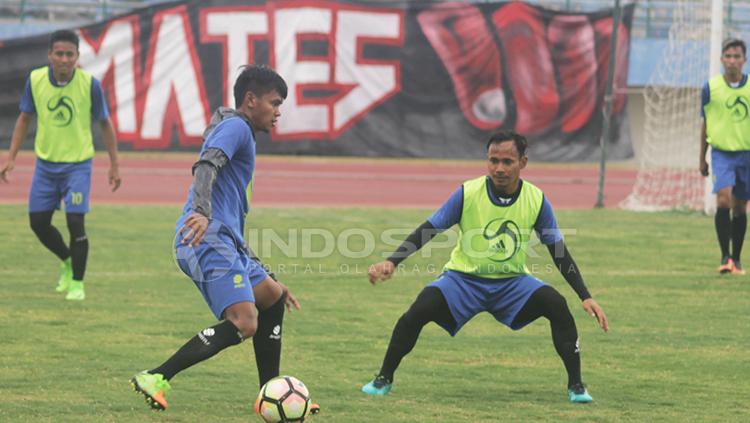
678 350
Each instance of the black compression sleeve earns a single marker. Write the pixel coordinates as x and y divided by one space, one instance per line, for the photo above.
416 240
568 268
204 174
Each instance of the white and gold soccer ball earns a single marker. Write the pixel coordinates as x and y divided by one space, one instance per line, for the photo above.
283 399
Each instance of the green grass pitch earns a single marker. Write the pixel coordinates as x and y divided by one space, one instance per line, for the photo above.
678 350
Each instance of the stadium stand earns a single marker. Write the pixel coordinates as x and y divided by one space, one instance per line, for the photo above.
23 18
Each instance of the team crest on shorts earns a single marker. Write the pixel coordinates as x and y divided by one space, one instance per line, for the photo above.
238 281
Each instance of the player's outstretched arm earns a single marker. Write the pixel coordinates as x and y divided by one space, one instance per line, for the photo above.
19 134
569 270
383 271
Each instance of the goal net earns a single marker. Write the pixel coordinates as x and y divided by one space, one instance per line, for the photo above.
668 176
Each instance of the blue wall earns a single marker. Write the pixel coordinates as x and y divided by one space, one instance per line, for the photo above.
645 55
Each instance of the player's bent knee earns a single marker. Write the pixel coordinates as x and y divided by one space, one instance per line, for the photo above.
37 227
558 302
248 329
724 198
560 314
39 223
723 204
416 313
244 316
76 225
247 326
408 319
552 304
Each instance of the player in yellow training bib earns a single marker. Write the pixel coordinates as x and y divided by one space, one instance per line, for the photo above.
726 128
496 215
65 99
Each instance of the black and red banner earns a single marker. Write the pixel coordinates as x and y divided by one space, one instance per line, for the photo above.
391 79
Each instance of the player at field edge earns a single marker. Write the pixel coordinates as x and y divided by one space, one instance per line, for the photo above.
65 100
487 271
726 128
209 244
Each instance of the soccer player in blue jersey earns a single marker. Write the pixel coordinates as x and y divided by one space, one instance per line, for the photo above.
209 244
726 127
65 100
487 271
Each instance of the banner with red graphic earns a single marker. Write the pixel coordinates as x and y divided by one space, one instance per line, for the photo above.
411 79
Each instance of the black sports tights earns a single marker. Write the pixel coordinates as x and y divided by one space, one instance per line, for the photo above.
547 302
50 237
430 306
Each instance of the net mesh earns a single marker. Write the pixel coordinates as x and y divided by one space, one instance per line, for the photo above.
668 176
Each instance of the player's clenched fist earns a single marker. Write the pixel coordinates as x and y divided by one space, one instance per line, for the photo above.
380 272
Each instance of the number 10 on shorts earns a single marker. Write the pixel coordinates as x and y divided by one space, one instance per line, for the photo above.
76 198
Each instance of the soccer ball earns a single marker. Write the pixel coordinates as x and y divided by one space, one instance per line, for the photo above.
283 399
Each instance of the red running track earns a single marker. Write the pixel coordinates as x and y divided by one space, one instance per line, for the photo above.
283 181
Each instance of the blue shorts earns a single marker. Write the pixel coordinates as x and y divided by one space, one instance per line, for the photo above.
731 169
55 182
468 295
220 268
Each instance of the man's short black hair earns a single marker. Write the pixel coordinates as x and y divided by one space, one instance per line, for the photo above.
259 80
503 136
733 42
63 35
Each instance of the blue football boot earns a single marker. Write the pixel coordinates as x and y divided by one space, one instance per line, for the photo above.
379 386
578 393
